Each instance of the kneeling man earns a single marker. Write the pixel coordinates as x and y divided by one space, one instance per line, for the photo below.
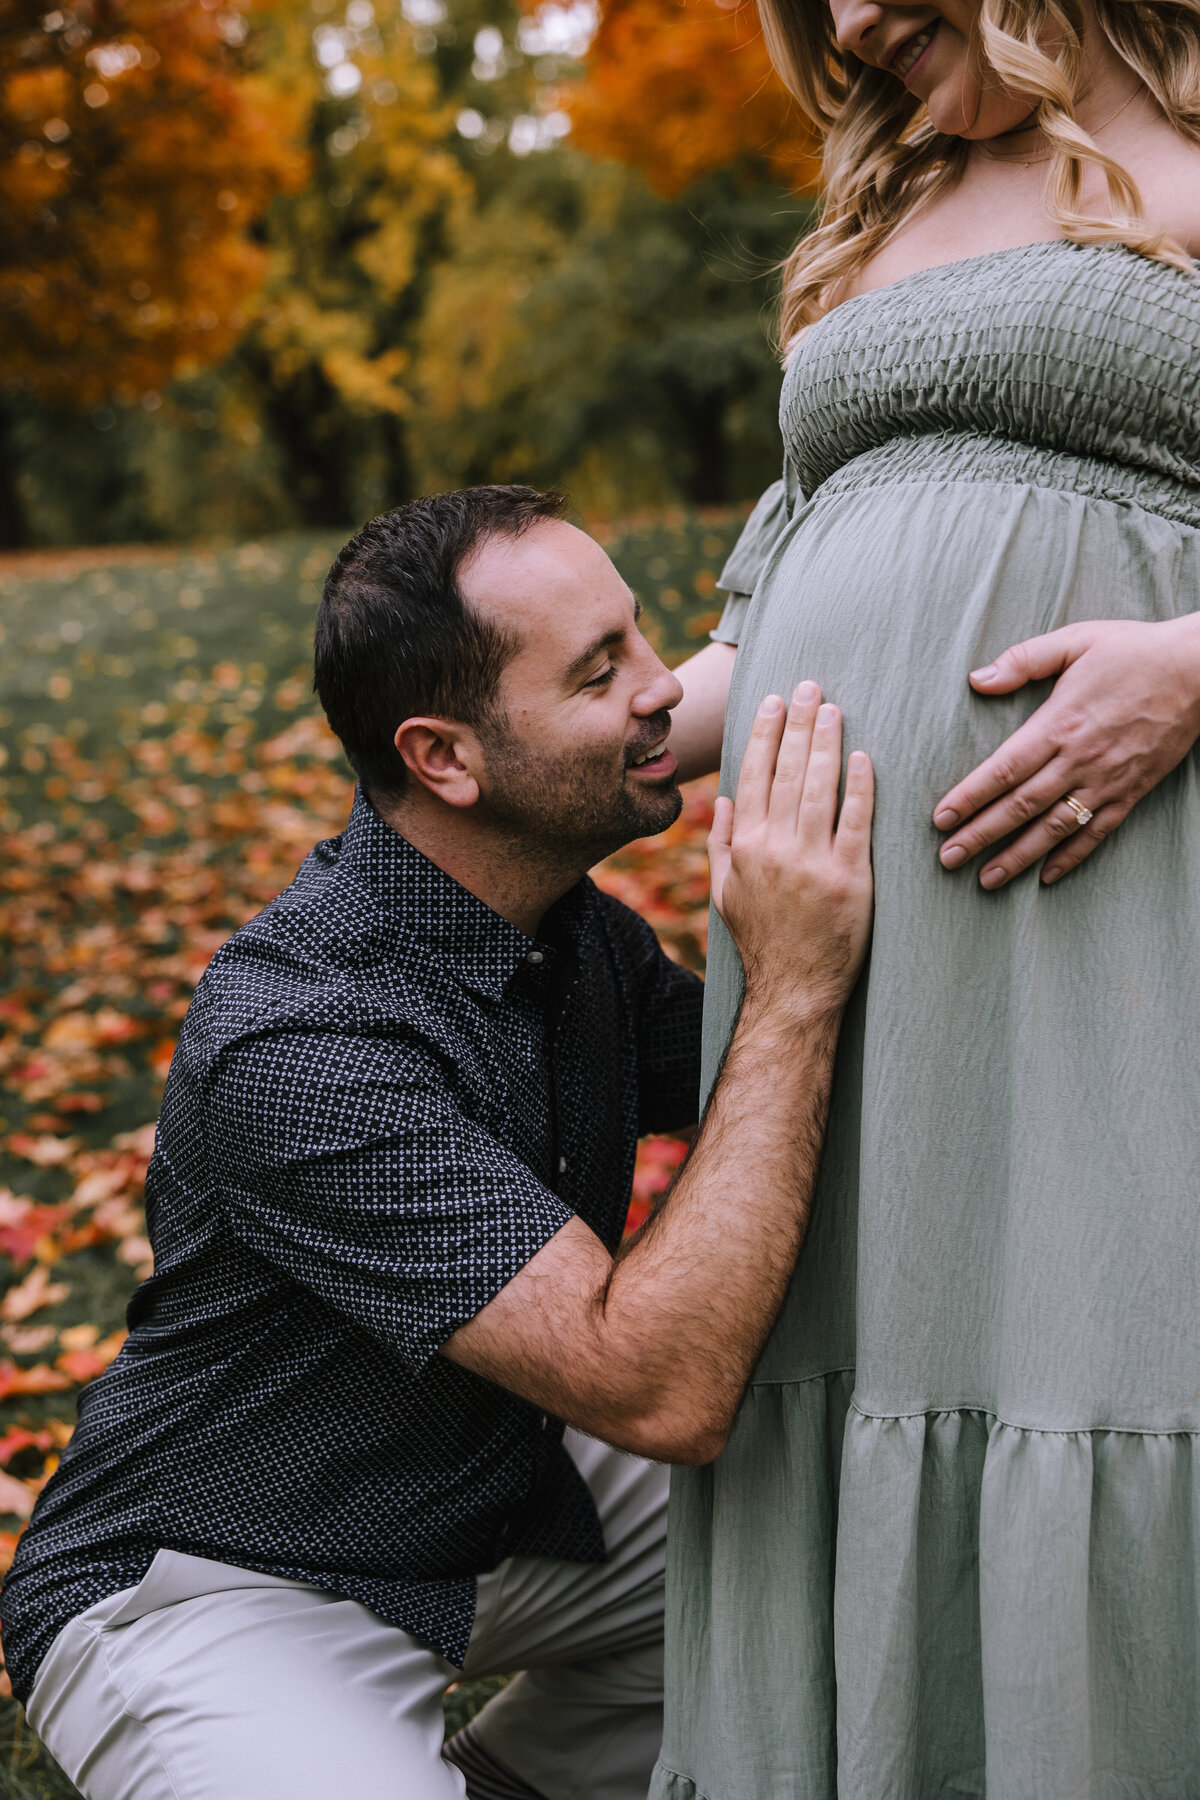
395 1403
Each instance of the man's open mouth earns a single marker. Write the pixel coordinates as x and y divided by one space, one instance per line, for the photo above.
913 49
656 759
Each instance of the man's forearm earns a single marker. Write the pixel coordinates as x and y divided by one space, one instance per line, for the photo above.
689 1304
652 1352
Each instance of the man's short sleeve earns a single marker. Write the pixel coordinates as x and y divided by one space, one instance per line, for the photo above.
345 1163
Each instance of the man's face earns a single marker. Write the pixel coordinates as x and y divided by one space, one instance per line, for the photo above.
577 762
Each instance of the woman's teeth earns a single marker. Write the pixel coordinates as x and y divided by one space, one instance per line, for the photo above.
913 50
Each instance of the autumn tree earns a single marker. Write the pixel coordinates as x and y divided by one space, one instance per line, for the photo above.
681 88
283 242
138 152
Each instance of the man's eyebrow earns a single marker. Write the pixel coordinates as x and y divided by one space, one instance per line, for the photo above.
608 641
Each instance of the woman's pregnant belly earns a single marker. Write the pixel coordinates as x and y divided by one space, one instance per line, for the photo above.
1008 1196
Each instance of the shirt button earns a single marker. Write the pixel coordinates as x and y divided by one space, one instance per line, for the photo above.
534 957
545 1421
562 1165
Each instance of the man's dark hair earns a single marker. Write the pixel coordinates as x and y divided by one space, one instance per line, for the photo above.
396 639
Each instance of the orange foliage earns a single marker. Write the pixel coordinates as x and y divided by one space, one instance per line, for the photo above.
680 88
136 154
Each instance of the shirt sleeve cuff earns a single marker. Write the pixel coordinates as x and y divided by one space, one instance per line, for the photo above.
732 620
554 1214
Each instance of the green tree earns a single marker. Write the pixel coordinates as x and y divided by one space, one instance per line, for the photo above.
591 333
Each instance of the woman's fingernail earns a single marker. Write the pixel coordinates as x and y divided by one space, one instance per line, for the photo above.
772 704
946 820
988 674
953 857
826 714
993 878
805 692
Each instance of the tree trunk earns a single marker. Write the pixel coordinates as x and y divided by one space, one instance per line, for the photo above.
14 526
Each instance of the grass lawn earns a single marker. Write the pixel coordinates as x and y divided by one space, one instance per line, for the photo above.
163 770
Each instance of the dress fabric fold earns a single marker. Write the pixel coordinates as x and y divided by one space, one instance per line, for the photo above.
951 1547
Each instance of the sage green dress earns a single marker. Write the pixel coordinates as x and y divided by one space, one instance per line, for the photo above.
953 1545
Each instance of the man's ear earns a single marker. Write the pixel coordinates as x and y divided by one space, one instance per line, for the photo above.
443 756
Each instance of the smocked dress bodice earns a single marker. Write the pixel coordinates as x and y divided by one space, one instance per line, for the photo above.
1011 359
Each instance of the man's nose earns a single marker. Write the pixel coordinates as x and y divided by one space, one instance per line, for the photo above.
659 693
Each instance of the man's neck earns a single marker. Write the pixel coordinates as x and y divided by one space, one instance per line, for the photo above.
514 878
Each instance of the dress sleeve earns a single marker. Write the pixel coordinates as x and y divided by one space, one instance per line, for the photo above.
347 1165
748 558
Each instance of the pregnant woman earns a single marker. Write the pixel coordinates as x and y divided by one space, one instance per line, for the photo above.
953 1546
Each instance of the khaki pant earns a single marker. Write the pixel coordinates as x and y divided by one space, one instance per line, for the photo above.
207 1682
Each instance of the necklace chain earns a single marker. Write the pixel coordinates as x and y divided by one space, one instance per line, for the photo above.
1029 162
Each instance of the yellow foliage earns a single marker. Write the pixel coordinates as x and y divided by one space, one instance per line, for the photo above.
348 249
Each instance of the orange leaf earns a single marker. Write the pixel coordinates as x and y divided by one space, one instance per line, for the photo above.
85 1365
46 1152
37 1290
39 1380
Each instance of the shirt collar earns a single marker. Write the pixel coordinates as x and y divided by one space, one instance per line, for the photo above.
484 949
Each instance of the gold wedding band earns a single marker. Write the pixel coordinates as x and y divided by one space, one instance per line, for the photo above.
1078 808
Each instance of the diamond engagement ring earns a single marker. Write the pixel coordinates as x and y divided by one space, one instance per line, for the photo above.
1078 808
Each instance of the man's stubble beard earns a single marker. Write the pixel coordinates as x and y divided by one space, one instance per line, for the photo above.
570 810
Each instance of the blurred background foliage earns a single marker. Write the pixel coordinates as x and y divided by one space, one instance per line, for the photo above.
282 266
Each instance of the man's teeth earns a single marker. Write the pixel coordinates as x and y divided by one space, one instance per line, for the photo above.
912 50
647 755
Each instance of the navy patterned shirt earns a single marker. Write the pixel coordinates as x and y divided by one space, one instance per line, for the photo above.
384 1101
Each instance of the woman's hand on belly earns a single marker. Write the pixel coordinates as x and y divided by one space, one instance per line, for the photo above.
1124 712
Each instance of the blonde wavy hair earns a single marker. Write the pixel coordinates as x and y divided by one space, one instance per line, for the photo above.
883 158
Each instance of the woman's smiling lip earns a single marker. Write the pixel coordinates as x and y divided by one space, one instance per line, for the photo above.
909 55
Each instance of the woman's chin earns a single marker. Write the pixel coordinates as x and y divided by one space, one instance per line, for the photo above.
947 116
949 102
